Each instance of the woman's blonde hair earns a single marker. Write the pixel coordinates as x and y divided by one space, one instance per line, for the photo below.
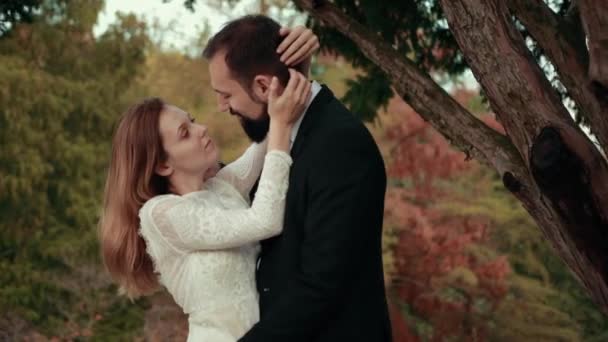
131 181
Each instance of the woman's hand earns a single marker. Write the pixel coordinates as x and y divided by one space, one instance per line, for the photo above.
287 107
299 45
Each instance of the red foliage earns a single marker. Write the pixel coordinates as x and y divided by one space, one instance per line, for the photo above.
436 273
401 331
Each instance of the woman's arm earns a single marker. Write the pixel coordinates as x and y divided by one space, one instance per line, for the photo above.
190 225
243 172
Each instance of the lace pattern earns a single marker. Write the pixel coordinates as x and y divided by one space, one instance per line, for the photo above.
204 244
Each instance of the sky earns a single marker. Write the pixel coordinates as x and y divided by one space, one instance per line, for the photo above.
186 25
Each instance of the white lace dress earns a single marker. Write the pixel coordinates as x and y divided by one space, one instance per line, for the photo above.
205 244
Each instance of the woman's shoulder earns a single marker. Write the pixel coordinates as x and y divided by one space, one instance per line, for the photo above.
159 199
162 203
159 203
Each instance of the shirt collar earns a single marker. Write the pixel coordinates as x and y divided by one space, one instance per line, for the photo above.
315 89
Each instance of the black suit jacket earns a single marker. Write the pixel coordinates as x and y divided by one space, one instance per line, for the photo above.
321 279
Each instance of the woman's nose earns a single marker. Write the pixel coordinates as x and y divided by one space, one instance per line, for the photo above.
202 130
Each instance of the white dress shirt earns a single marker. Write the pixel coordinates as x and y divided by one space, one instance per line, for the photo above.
315 89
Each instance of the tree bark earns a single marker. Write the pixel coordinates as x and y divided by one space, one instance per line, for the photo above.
594 14
563 42
548 163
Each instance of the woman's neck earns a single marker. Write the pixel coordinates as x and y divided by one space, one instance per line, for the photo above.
183 184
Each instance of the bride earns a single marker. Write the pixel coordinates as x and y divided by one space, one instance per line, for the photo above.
171 218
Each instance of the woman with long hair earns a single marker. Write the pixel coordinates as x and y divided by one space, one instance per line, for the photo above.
171 218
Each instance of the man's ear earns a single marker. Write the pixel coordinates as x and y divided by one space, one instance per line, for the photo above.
261 86
163 169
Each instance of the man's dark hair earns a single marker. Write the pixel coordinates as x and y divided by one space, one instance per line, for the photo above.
250 43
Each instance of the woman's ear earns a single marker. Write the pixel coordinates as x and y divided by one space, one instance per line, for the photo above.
163 169
261 86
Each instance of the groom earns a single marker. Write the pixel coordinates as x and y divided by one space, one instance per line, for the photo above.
321 280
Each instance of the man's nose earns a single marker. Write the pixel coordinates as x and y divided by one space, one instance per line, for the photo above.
222 104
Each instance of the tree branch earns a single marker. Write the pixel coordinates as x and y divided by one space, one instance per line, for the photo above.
563 43
464 130
594 14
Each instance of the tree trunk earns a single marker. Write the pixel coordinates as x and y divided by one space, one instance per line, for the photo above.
546 161
594 14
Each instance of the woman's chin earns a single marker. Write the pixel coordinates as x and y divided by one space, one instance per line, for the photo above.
215 154
212 171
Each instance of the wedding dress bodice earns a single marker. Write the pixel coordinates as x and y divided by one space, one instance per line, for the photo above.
204 244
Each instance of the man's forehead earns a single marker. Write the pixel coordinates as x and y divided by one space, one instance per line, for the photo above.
218 64
219 72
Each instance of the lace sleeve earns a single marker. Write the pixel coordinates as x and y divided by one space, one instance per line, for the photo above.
243 172
189 225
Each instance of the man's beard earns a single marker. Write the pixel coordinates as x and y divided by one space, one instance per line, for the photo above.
256 130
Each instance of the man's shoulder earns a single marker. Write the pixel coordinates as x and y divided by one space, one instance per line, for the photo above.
340 129
335 129
335 117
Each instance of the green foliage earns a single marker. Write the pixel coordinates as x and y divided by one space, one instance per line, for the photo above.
416 29
123 321
366 92
546 302
61 92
